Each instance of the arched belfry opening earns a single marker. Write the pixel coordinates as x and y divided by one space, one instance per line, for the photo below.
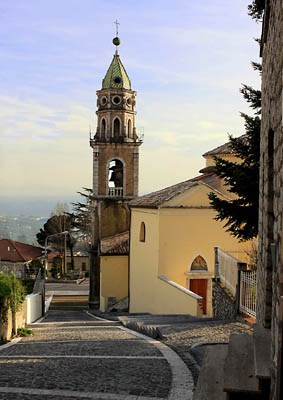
115 178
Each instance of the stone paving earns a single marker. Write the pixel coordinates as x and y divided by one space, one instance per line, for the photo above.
188 336
191 340
74 355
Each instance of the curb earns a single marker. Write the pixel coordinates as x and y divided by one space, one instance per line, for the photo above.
148 330
11 343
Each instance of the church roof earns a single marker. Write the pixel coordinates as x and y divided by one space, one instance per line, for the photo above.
116 76
156 199
223 149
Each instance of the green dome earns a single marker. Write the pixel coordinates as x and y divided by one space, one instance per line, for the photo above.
116 41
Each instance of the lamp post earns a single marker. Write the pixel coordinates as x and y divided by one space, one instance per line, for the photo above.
45 249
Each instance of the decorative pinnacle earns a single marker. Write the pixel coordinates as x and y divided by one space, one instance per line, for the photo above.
116 41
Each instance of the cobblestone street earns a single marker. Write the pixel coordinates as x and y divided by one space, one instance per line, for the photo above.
74 355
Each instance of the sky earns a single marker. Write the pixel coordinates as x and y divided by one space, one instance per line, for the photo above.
186 60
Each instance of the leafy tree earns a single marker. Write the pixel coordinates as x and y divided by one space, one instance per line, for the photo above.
53 229
55 225
242 178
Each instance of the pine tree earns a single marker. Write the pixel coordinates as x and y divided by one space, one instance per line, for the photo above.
81 216
242 178
256 9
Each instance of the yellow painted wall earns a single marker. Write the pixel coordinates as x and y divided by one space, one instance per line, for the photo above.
78 261
113 278
143 260
170 300
187 233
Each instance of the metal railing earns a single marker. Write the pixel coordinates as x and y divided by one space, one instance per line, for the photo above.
115 191
39 283
226 268
248 293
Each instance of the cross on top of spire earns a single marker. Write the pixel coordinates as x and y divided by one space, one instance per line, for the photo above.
117 27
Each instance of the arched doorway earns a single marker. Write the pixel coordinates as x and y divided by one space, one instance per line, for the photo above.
197 285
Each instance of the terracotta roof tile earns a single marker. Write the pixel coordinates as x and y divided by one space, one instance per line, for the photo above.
116 245
156 199
223 149
13 251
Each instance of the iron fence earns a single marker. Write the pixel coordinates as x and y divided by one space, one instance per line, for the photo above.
248 293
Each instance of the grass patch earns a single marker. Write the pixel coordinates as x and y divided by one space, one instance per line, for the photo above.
24 332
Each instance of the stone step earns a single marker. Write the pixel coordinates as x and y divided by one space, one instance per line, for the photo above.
211 377
69 303
239 367
164 319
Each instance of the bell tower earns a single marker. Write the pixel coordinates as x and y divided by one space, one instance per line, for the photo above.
115 147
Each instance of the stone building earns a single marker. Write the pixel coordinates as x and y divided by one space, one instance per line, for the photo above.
115 161
270 264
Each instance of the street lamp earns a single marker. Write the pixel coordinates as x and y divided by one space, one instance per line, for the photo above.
45 249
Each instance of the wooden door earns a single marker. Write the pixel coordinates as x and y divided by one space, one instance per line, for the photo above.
199 286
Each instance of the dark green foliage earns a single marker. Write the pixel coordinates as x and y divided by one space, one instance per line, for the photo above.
241 214
257 66
253 97
82 215
256 9
12 295
54 226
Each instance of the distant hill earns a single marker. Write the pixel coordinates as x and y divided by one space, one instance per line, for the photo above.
35 206
21 228
22 217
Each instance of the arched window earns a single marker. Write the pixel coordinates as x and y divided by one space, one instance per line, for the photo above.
199 264
129 128
142 232
116 127
103 127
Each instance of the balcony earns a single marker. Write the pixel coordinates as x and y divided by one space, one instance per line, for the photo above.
115 191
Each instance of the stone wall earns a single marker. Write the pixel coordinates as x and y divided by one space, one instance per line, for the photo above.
6 328
114 217
271 187
223 304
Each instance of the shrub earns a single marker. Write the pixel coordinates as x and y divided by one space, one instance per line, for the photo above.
12 295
